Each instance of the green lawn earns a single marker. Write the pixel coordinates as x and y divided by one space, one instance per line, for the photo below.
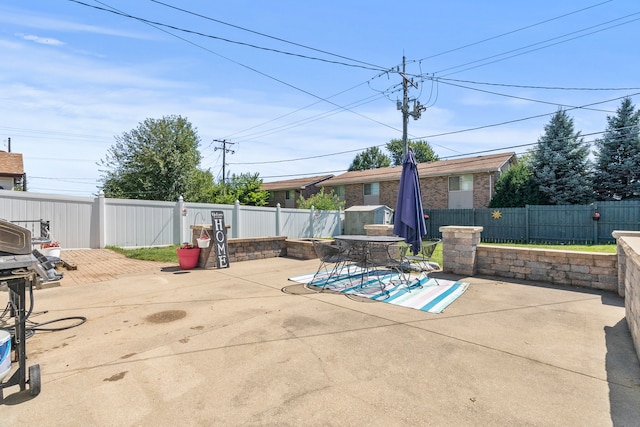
609 248
164 254
168 253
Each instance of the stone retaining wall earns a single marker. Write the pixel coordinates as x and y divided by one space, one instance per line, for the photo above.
301 248
584 269
629 248
241 249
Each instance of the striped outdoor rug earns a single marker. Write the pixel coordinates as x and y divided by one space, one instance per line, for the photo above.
385 286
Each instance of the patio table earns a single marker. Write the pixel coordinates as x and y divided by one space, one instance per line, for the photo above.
371 253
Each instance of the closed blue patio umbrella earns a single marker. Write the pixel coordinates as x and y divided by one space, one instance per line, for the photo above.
408 221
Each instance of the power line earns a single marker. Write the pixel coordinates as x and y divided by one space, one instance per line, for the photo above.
515 31
184 30
444 80
522 98
538 43
267 35
247 67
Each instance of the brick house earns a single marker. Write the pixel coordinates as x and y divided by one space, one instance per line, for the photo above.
289 191
463 183
12 171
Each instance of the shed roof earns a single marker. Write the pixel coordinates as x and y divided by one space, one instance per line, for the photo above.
294 184
11 164
467 165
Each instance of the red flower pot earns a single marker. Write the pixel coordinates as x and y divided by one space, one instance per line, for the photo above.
188 257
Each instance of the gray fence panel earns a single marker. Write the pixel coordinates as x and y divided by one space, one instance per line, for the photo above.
295 223
502 225
622 215
71 218
256 222
564 223
200 213
327 223
136 223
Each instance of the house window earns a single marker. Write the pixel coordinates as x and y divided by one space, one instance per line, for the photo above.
461 183
372 189
289 195
339 191
461 192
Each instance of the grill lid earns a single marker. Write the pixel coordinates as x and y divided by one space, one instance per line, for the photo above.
14 239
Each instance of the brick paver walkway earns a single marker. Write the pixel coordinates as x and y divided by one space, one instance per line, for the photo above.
97 265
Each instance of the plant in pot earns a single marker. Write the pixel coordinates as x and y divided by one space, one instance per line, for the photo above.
204 239
50 249
188 256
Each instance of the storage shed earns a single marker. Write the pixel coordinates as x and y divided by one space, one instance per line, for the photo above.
356 217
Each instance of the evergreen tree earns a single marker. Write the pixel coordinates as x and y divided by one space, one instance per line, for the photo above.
561 165
371 158
617 174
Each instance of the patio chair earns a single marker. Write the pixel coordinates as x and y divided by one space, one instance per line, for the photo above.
422 260
388 257
332 260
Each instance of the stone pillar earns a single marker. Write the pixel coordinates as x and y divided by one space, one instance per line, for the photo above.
622 258
459 249
378 230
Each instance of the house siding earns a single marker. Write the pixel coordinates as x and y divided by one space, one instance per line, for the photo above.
435 192
389 193
481 189
353 195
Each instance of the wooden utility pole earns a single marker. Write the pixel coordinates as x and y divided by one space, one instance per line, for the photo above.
225 150
404 107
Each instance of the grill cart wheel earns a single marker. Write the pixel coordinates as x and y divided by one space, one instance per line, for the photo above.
34 380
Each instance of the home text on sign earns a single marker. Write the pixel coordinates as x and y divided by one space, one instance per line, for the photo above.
220 239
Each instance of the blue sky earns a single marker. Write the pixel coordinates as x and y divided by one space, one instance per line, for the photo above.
317 85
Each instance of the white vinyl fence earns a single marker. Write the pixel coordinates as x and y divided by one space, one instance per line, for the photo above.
82 222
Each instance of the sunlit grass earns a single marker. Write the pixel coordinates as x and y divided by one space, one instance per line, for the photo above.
163 254
608 248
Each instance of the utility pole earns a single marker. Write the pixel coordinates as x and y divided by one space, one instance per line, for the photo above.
404 107
225 150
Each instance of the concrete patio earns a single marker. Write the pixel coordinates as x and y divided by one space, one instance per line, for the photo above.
245 346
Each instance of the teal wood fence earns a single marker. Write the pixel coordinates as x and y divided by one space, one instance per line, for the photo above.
543 224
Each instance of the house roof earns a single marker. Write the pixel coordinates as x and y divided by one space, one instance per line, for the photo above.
467 165
11 164
294 184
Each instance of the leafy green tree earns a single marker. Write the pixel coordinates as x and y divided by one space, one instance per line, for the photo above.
244 187
517 187
617 173
421 150
561 165
158 160
371 158
321 201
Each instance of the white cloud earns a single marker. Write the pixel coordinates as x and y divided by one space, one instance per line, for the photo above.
24 18
41 40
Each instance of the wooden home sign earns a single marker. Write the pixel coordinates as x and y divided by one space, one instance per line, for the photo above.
220 239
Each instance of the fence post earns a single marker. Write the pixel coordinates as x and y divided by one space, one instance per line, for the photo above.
526 223
312 213
595 224
278 230
182 217
102 209
235 227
